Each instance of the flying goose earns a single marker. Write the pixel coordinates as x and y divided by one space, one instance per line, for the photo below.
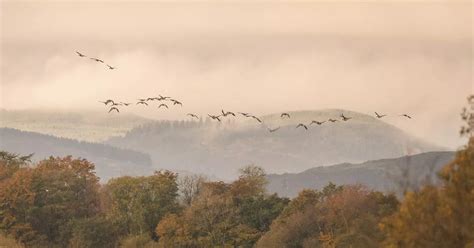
245 114
332 120
164 97
114 108
107 102
407 116
256 118
302 125
162 105
193 115
97 60
273 130
176 102
317 122
80 54
142 102
227 113
111 67
285 114
214 117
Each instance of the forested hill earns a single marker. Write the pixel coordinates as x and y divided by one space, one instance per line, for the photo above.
210 147
109 161
382 175
85 126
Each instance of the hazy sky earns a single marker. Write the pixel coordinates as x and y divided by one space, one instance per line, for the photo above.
261 57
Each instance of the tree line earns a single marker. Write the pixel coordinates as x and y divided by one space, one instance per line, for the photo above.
58 202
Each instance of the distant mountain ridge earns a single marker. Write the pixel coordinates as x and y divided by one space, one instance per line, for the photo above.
219 149
110 161
84 126
382 175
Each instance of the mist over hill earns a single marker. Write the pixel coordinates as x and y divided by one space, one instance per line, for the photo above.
109 161
382 175
219 149
85 126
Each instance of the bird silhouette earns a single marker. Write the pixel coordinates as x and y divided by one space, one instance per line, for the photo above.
214 117
256 118
193 115
162 105
302 125
125 103
332 120
344 118
80 54
164 97
114 108
97 60
378 115
106 102
407 116
141 99
150 99
245 114
285 114
317 122
273 130
176 102
142 102
111 67
227 113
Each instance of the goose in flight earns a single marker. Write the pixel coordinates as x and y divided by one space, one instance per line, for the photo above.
344 118
214 117
193 115
317 122
378 115
227 113
97 60
245 114
150 99
176 102
302 125
407 116
142 102
111 67
80 54
273 130
332 120
256 118
285 114
125 103
164 97
162 105
108 101
114 108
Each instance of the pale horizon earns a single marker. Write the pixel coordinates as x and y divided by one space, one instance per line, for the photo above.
390 57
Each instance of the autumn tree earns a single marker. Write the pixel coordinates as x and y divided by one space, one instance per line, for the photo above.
139 203
334 217
10 163
222 215
440 216
189 187
37 204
